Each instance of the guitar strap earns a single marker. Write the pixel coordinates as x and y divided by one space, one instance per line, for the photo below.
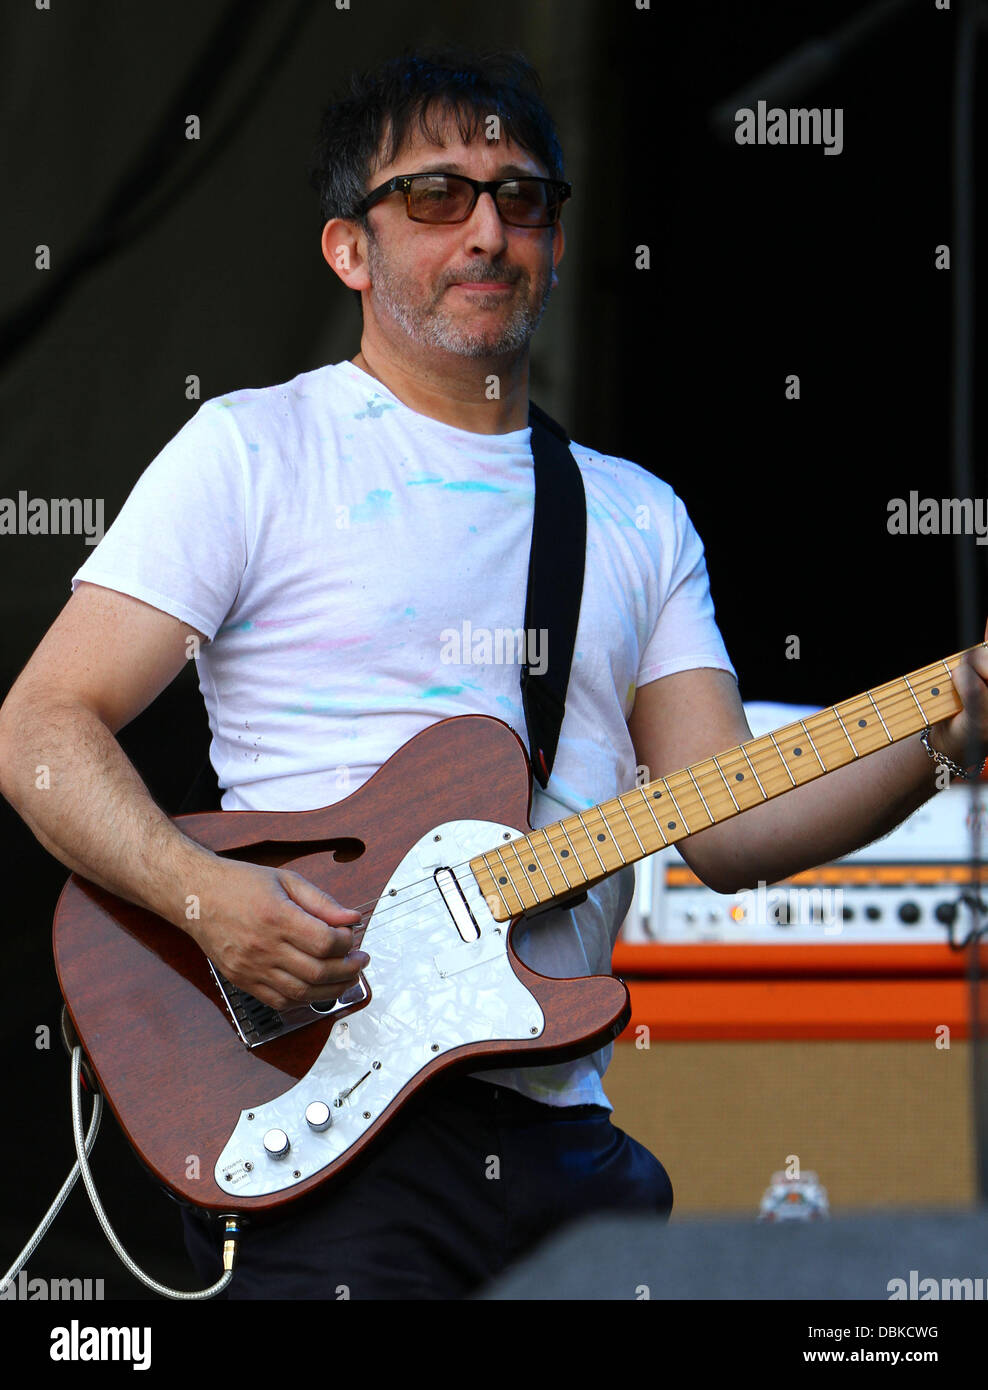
552 605
555 587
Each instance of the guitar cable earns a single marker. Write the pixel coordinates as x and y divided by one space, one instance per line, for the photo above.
59 1201
81 1166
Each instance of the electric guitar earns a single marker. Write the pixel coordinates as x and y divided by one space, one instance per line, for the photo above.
237 1108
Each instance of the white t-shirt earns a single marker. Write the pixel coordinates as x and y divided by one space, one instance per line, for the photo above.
346 555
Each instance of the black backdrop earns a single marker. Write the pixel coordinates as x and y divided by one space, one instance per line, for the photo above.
764 262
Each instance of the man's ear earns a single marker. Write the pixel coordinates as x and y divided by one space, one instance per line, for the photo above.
344 249
558 246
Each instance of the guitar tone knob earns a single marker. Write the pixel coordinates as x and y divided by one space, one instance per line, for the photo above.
318 1116
276 1143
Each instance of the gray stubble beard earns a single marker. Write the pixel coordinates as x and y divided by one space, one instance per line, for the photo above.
433 327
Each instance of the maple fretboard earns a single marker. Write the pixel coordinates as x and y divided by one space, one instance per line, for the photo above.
567 856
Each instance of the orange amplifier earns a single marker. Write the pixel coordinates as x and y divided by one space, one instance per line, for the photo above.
870 946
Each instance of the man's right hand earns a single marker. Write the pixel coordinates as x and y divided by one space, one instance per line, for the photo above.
273 933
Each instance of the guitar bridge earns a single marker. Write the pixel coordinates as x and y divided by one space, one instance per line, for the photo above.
259 1023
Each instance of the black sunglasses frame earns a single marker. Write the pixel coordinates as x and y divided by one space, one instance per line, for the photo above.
403 183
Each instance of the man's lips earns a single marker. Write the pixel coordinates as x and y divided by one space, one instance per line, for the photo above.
483 286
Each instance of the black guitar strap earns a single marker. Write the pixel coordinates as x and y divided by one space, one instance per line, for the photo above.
555 586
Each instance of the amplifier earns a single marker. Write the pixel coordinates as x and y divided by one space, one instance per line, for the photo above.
825 1018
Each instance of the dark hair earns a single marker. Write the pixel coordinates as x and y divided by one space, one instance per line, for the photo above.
431 88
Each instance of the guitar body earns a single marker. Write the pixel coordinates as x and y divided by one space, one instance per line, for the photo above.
444 989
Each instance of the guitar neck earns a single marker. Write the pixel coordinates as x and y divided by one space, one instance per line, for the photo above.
561 859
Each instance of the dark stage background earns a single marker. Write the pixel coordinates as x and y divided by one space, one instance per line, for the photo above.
203 259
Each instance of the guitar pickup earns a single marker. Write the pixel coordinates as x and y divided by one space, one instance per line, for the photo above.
456 904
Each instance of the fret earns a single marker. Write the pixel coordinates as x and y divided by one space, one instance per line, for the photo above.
642 824
483 867
714 789
700 794
792 741
816 754
671 830
832 737
605 841
669 824
590 841
507 879
572 850
735 770
858 715
784 763
634 832
538 867
846 734
879 713
945 701
655 818
562 874
727 785
754 773
536 898
913 694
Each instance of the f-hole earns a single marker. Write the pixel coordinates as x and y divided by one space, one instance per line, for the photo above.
275 853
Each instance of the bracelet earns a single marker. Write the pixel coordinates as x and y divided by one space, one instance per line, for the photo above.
942 760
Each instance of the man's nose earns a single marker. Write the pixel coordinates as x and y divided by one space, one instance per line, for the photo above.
485 226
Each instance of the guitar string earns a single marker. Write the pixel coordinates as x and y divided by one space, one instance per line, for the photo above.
834 739
826 741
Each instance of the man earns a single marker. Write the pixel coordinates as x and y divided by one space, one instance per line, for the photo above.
318 539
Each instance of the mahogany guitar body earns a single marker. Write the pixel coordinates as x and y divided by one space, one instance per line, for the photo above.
197 1103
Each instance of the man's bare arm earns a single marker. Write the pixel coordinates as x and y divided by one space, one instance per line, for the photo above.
103 661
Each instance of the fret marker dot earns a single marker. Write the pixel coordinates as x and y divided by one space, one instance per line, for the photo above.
601 837
564 854
671 825
739 777
502 880
862 723
935 690
531 868
797 751
656 795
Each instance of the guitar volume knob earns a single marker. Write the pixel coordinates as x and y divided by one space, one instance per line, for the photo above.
276 1143
318 1116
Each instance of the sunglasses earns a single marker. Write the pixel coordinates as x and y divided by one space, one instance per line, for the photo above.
448 198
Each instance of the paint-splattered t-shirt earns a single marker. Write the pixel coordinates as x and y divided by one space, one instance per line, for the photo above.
360 572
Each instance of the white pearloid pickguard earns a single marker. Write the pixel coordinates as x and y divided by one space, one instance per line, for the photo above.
431 992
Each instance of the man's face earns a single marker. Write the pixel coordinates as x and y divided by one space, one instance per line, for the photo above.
475 288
